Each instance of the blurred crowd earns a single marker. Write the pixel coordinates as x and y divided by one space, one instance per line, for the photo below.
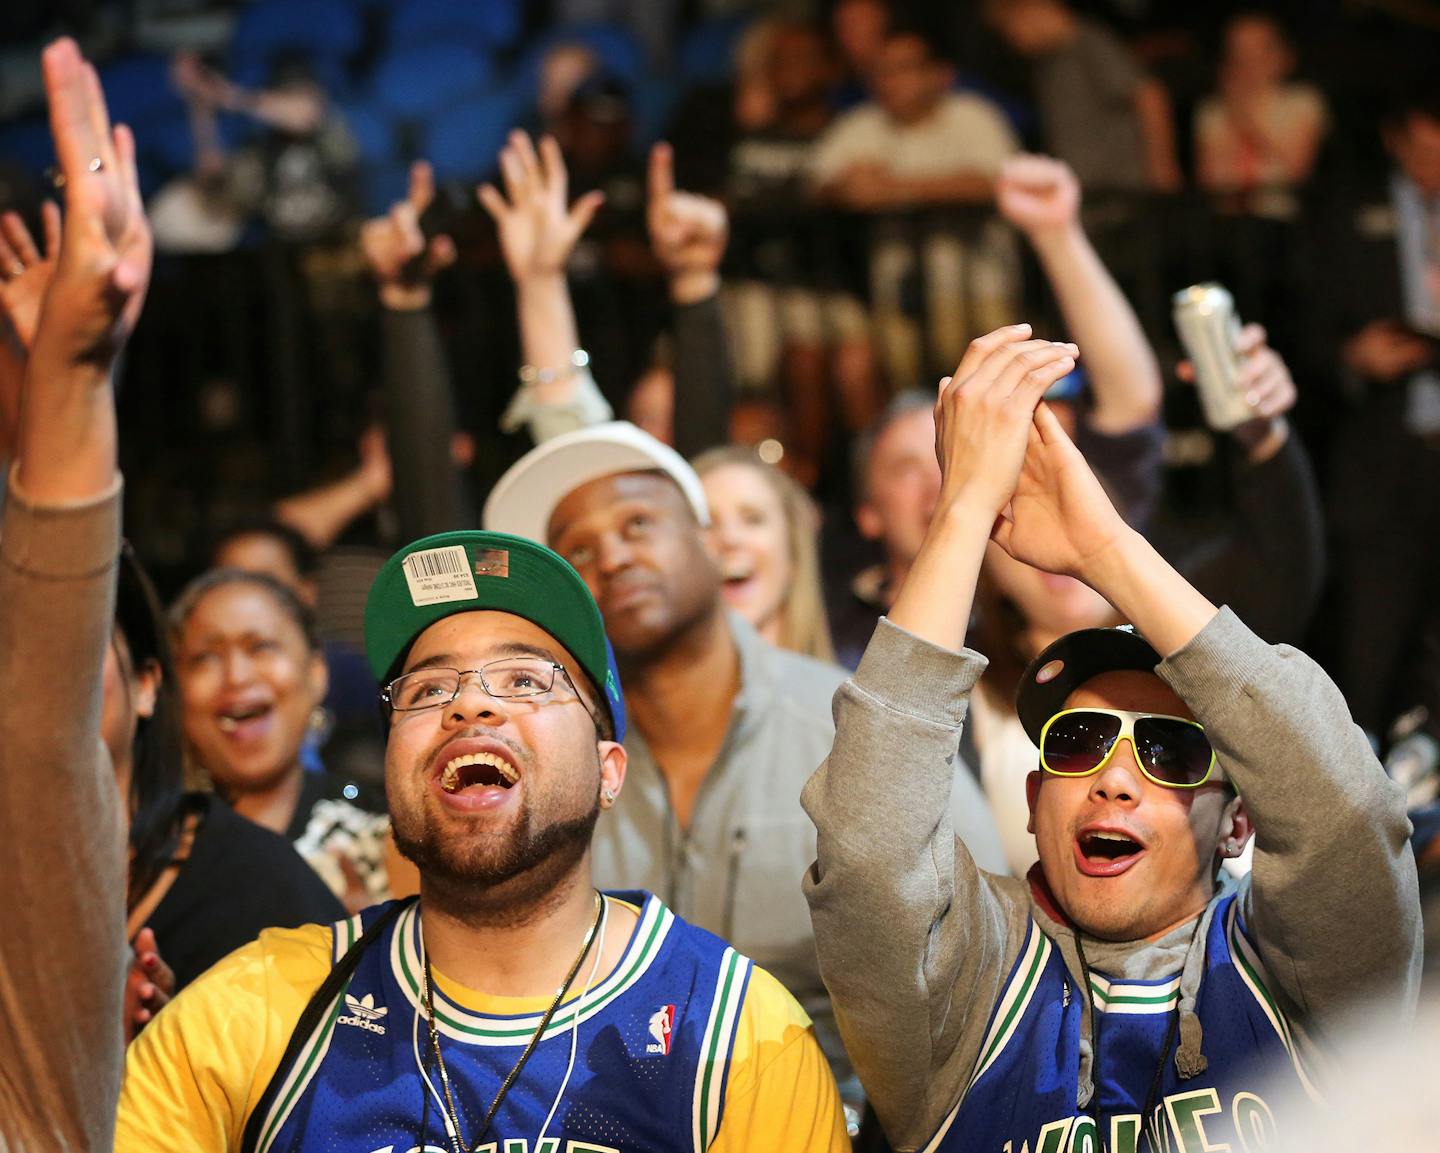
400 243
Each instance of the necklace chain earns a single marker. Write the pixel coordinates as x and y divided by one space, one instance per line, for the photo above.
457 1142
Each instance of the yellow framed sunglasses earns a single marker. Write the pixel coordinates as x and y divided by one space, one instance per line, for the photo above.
1171 751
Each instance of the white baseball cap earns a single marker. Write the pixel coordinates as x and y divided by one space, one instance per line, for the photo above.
523 499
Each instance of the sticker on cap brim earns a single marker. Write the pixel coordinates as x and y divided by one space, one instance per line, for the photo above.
1049 672
439 575
492 562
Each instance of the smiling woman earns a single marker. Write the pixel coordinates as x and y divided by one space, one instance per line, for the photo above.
763 530
252 677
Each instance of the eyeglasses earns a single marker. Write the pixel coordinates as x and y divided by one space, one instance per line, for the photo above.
507 680
1171 751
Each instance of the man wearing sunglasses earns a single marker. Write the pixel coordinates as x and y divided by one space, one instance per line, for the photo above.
1120 995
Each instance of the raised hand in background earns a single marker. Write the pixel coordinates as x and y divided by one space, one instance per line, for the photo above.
402 261
1038 194
24 277
688 233
1269 391
538 225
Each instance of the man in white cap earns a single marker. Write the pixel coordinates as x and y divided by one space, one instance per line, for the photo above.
725 727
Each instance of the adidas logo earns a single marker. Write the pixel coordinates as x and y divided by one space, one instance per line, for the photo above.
363 1014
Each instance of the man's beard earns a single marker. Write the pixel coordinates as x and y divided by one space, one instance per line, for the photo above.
525 861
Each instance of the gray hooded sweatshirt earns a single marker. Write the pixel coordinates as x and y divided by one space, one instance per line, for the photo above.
915 941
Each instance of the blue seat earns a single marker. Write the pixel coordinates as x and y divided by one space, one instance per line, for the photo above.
137 87
416 81
463 143
620 54
371 129
326 33
707 53
382 185
651 105
27 143
493 25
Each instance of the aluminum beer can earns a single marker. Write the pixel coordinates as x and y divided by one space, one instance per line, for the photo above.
1210 331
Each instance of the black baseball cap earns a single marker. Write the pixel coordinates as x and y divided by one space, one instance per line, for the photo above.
1069 662
457 572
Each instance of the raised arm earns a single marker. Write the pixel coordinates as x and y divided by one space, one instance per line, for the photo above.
429 494
63 953
903 918
322 514
1333 928
1041 197
538 229
1277 527
688 234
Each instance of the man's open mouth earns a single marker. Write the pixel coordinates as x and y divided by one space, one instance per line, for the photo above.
1109 846
1106 852
477 770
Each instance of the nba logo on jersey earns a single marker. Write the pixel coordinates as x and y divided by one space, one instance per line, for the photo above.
662 1024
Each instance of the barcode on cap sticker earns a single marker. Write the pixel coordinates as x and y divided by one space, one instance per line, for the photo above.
439 575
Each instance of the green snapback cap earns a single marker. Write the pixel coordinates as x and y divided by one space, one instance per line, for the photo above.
456 572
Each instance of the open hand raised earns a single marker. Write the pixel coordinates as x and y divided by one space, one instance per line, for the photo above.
100 278
537 223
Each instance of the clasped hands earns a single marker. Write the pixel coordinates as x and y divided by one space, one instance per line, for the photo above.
1006 461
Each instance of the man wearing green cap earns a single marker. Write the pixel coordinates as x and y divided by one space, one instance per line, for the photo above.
513 1006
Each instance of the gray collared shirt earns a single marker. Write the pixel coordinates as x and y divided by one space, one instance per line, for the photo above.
737 869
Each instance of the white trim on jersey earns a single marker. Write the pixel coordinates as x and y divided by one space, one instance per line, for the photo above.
470 1028
1131 998
1255 976
1014 1001
730 986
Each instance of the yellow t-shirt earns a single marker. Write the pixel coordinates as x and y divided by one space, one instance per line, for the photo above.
195 1074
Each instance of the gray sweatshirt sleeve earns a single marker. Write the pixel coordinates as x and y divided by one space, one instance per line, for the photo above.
430 494
914 940
63 952
1333 904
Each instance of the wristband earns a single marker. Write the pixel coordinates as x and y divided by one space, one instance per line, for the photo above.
529 374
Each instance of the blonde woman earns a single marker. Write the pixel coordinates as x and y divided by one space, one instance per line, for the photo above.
763 532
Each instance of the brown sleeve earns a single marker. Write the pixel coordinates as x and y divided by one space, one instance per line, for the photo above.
63 952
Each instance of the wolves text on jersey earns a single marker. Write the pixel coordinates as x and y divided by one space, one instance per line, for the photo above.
1189 1122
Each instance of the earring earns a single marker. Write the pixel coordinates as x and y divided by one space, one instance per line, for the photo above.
607 797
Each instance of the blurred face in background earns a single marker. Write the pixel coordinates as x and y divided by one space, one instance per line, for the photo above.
248 684
860 27
801 70
261 553
1415 147
1030 27
652 404
909 82
1256 54
1051 605
902 485
749 537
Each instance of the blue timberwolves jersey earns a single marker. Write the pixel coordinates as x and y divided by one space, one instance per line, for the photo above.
1021 1096
649 1071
